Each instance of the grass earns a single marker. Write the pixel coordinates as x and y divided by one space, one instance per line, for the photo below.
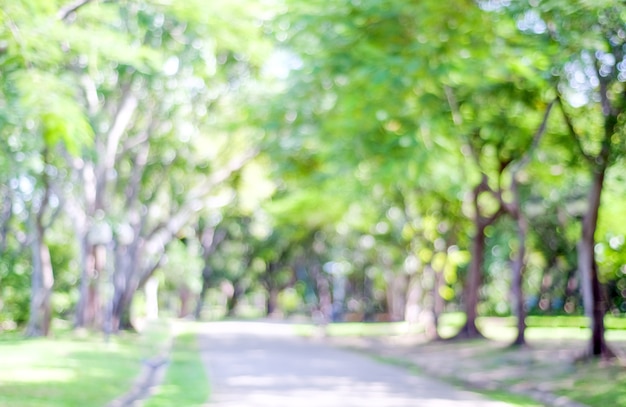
512 399
598 384
548 364
495 328
497 395
185 382
538 327
66 371
358 329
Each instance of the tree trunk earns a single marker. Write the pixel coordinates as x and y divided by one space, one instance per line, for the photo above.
588 267
81 316
518 281
233 301
210 239
438 302
125 284
42 277
414 296
206 281
184 294
89 310
42 280
121 311
396 296
519 264
471 291
271 303
324 297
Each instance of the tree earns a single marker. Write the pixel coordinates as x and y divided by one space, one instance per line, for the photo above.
45 100
592 78
153 165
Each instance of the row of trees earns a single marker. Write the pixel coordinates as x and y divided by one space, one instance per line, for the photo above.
114 115
379 157
503 109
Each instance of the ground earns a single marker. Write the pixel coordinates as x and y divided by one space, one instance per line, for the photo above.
265 364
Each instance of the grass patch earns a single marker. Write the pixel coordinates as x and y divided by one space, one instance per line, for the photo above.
66 371
358 329
370 329
574 327
597 384
512 399
547 364
185 382
495 328
498 395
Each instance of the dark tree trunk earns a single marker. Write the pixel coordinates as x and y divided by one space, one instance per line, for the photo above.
206 284
121 312
471 291
517 287
589 269
519 265
233 301
271 302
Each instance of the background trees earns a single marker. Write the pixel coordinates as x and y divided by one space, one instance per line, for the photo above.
376 160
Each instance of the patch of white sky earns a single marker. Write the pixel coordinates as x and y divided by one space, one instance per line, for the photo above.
493 5
581 74
280 63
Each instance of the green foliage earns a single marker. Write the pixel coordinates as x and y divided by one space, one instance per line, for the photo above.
14 288
183 266
375 119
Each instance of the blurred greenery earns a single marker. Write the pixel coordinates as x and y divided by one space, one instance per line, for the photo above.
343 161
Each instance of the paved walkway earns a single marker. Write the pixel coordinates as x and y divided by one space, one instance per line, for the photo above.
255 364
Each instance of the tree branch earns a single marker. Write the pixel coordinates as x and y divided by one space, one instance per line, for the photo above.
572 130
67 10
195 202
139 165
454 105
536 138
120 124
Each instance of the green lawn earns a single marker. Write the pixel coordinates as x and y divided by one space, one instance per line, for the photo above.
358 329
596 384
185 382
538 327
66 371
496 328
71 369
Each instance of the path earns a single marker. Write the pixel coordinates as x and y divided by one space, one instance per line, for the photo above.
255 364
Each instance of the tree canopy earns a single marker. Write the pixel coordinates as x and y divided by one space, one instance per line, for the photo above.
375 158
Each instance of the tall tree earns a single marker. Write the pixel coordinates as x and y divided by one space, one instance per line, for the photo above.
593 45
45 95
154 162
